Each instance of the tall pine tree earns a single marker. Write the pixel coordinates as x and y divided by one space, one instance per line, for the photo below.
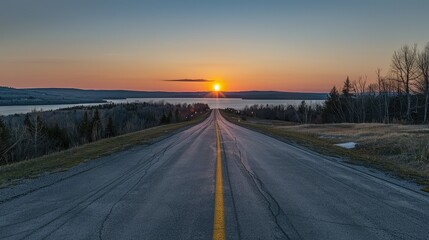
347 100
332 110
347 88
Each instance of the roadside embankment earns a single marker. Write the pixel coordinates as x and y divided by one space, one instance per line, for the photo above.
66 159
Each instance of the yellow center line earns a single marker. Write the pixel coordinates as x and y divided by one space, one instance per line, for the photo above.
219 212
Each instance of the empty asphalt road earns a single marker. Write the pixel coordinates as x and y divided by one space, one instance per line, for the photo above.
264 188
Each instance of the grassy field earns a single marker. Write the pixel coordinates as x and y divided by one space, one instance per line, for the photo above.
66 159
401 149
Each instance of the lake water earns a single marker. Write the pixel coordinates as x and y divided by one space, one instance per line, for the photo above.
236 103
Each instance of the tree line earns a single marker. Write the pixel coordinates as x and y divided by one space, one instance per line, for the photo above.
399 96
25 136
402 95
303 113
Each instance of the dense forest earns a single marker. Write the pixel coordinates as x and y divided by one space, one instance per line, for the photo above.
400 96
25 136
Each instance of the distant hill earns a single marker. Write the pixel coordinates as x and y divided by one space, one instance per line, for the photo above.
38 96
13 96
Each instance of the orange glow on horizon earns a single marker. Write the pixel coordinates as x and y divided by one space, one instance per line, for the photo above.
142 76
130 77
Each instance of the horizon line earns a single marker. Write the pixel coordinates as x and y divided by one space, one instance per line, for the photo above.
134 90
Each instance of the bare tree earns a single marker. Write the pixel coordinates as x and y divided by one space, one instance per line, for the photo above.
360 90
404 66
35 127
372 101
386 89
303 109
423 65
380 92
4 152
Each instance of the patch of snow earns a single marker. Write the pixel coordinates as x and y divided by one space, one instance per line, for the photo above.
347 145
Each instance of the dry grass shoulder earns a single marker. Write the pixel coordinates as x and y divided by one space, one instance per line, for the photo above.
66 159
401 149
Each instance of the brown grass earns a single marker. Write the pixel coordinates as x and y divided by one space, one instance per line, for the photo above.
66 159
401 149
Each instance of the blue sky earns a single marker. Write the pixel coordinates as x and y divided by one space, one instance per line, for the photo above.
292 45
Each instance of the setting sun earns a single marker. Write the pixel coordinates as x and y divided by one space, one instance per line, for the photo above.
216 87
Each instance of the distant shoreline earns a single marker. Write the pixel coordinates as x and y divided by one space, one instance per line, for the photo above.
106 101
48 103
221 103
55 96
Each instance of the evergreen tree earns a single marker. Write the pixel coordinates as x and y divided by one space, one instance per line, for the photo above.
85 128
347 103
163 119
59 137
332 111
177 115
347 88
27 123
169 117
110 128
96 126
4 141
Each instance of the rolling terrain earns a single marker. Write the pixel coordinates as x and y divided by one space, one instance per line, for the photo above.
171 190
